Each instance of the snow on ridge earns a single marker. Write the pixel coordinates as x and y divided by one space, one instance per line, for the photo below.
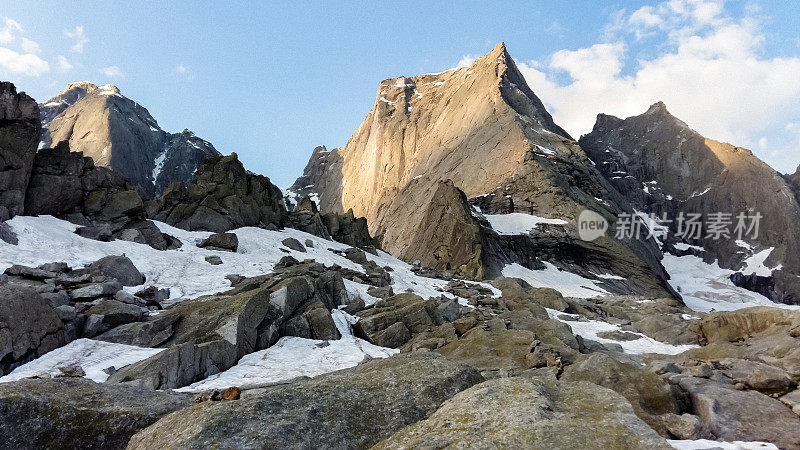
569 284
518 223
707 287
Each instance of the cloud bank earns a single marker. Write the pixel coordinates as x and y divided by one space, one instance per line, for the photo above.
710 71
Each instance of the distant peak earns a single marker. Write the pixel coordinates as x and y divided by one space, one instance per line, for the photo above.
90 88
657 108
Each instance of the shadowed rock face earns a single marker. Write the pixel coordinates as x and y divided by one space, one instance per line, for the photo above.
121 134
222 196
482 128
19 134
663 166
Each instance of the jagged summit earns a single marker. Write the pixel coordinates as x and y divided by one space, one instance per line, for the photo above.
663 166
119 133
482 129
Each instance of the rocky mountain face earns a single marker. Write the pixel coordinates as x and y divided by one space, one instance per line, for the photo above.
483 129
664 167
19 135
118 133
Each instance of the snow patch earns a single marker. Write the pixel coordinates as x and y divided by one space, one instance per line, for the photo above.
93 357
706 287
293 357
705 444
589 329
569 284
518 223
185 271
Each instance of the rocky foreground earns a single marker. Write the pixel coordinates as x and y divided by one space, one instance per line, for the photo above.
481 365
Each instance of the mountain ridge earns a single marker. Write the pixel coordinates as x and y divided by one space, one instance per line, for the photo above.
119 133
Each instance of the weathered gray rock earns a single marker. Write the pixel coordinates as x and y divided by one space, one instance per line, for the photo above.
207 335
221 196
650 396
20 131
293 244
733 415
524 413
95 290
353 408
221 241
214 260
416 314
78 413
115 312
29 326
120 268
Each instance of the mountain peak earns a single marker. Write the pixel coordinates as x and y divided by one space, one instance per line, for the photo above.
658 108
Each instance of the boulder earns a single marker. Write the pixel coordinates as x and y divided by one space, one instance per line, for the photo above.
20 131
29 326
293 244
353 408
78 413
734 415
94 290
214 260
115 312
120 268
221 241
515 291
416 314
524 413
650 396
209 334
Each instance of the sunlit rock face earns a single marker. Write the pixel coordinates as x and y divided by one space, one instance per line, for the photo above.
119 133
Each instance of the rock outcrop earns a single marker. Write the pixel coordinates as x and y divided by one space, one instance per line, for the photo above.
445 237
523 413
19 136
210 334
29 326
68 185
78 413
353 408
482 128
120 134
221 196
664 167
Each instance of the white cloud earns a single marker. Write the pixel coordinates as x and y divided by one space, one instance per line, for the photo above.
112 72
30 46
10 28
63 63
22 63
184 71
79 37
710 73
467 60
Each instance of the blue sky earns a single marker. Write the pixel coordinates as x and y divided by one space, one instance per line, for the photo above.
271 80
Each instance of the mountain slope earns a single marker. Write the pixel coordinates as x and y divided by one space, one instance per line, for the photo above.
663 166
482 128
121 134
